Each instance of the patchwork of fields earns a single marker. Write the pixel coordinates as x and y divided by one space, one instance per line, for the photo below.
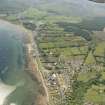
79 62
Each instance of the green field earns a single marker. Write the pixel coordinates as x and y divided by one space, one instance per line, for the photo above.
86 76
100 49
96 94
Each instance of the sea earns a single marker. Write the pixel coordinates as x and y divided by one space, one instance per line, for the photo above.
24 90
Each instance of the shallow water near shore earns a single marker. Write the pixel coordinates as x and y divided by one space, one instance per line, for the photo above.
23 89
5 90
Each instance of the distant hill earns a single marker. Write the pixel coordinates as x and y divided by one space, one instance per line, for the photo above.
73 7
59 7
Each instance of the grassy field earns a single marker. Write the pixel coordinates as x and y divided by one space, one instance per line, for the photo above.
103 75
86 76
90 59
100 49
96 94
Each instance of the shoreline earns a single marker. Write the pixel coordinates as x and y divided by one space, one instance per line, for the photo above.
5 91
42 98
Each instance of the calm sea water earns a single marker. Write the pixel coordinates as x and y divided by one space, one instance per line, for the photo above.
12 67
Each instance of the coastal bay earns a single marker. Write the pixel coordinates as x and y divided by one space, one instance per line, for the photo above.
17 85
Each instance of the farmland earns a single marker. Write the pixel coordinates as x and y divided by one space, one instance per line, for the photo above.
75 59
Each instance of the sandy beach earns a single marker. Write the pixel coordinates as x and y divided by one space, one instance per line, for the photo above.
5 90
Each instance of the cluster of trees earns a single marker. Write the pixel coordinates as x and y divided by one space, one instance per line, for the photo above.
85 27
74 28
94 24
